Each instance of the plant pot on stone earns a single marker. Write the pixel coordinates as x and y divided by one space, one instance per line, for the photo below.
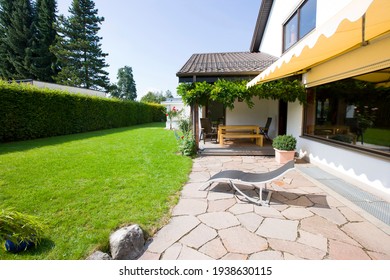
284 146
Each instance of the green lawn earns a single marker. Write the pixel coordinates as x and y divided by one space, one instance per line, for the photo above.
377 136
85 186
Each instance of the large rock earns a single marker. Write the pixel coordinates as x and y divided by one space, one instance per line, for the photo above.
98 255
127 243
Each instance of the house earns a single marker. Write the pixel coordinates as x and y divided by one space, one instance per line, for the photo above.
210 67
175 104
339 49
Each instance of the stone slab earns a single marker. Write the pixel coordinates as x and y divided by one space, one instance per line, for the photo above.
250 221
214 249
168 235
296 249
219 220
241 241
343 251
190 207
279 229
199 236
369 236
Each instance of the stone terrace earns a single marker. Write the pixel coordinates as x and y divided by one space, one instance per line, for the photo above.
305 221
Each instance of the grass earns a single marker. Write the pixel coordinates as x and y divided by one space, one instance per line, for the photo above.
377 136
85 186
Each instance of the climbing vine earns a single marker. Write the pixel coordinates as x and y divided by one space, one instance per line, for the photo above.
227 92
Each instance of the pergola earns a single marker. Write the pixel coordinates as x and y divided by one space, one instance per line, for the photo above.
210 67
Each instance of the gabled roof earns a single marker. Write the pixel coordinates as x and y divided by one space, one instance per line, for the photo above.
229 63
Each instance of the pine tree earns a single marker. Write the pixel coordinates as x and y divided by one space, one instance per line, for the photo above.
43 61
78 48
6 68
125 89
18 38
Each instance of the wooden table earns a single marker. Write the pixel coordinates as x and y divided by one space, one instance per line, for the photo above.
240 131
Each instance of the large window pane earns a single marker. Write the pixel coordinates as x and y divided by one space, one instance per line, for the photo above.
351 112
307 18
301 23
291 32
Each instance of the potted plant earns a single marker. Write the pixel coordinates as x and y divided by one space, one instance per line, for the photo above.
284 146
19 231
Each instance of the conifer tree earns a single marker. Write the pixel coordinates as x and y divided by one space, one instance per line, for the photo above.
43 61
125 89
78 48
6 68
19 39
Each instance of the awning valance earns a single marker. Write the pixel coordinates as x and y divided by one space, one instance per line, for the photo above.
346 31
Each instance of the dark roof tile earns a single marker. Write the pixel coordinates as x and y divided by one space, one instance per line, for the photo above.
226 63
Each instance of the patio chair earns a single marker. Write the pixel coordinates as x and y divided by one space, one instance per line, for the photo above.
264 130
207 130
258 180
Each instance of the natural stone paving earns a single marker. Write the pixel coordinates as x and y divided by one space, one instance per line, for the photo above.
303 221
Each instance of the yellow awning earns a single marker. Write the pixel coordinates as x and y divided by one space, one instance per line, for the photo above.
341 34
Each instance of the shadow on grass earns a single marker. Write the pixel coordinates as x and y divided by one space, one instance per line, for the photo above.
20 146
44 247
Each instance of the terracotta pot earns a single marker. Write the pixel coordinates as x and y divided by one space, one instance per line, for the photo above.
283 157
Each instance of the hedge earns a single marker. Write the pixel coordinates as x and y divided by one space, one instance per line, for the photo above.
28 112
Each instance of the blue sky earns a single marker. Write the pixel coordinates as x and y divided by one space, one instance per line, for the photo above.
156 37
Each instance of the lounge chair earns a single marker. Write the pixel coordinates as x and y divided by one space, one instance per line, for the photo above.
258 180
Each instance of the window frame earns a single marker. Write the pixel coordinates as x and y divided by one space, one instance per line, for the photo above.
297 13
306 134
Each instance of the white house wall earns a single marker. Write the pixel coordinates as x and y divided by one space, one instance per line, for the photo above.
365 169
282 10
294 119
358 167
263 108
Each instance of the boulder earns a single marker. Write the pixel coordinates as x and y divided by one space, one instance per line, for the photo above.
127 243
98 255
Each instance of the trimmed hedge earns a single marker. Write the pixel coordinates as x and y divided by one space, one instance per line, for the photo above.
28 112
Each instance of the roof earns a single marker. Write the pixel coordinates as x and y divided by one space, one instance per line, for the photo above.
175 100
229 63
261 23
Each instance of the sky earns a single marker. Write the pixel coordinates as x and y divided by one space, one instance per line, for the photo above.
157 37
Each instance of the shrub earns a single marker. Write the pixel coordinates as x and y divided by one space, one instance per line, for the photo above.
284 142
187 145
18 227
28 112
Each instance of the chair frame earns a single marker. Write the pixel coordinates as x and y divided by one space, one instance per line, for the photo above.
264 130
258 180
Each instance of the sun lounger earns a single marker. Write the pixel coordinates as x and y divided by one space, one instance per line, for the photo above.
258 180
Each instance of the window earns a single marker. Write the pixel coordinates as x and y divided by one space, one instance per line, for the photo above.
352 113
301 23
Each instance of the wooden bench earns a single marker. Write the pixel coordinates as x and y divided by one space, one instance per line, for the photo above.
259 137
